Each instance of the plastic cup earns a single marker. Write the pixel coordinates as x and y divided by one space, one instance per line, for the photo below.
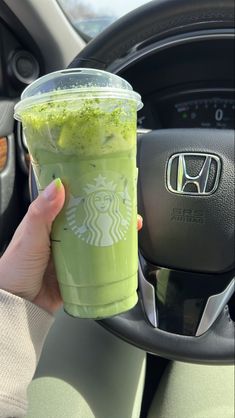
80 125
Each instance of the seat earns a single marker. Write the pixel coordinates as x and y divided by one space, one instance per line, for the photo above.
194 391
86 372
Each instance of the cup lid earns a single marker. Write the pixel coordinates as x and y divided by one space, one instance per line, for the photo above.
65 84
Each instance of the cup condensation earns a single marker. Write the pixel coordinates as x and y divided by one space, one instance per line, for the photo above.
80 125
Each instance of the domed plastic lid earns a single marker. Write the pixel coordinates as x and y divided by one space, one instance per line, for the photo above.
79 82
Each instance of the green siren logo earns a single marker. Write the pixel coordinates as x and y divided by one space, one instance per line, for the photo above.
102 215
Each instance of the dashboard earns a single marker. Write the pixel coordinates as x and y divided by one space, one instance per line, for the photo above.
190 85
208 108
186 85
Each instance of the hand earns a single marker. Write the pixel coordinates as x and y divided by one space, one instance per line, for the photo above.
25 269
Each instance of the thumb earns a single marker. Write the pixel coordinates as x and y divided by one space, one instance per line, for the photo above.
37 222
25 260
33 233
48 204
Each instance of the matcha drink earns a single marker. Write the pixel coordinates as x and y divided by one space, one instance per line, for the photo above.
86 135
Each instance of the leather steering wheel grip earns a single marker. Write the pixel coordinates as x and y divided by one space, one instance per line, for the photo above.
156 20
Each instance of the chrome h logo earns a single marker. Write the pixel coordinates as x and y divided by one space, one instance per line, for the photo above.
193 173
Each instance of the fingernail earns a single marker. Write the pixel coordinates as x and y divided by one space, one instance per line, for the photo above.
50 191
139 222
58 183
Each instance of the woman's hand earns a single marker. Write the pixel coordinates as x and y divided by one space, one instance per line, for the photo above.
25 269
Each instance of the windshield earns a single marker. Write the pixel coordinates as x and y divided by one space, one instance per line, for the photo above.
90 17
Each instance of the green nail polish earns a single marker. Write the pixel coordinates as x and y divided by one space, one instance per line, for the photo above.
58 183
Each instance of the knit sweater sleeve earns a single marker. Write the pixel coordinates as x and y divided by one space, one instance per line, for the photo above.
23 329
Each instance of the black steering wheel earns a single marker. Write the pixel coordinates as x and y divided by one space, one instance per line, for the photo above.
186 196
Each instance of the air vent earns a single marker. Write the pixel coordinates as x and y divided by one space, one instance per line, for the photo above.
23 67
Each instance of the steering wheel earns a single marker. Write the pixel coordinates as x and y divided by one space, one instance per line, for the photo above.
186 197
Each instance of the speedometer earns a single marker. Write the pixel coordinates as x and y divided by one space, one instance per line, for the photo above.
198 110
212 112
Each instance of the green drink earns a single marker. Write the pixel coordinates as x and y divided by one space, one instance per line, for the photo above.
83 130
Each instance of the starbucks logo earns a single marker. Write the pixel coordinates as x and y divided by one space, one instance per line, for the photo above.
101 215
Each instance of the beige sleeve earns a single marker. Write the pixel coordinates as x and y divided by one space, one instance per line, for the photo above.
23 329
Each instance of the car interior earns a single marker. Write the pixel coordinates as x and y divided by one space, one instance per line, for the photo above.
172 355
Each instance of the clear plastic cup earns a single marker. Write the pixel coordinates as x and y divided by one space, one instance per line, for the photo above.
80 125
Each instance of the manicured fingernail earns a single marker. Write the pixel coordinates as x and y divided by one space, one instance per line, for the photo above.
58 183
139 222
50 191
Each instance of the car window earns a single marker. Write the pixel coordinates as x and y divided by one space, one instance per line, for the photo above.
90 17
